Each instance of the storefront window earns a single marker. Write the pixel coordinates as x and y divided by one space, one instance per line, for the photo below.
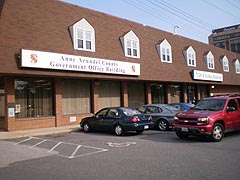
175 93
158 93
2 100
136 95
75 97
204 91
191 94
109 94
33 98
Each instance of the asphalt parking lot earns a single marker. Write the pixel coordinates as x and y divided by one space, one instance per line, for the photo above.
152 155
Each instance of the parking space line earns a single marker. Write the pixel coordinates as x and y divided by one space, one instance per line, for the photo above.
75 151
87 150
55 146
39 143
23 141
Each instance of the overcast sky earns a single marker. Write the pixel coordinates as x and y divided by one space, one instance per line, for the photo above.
194 19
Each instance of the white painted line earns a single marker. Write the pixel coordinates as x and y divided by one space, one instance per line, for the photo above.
75 151
103 150
125 144
24 140
39 143
55 146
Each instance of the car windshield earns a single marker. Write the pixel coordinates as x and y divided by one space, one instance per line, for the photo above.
130 112
210 104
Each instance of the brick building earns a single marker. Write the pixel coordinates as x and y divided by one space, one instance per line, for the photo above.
226 38
60 62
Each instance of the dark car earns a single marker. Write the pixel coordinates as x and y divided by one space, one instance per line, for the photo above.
182 106
118 120
211 117
162 114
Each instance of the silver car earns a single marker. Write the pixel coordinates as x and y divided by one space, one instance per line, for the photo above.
162 114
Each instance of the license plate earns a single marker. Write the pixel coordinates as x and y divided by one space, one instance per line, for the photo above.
184 129
146 127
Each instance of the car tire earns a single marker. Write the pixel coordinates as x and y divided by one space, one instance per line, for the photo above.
118 130
86 127
217 132
182 135
163 125
140 131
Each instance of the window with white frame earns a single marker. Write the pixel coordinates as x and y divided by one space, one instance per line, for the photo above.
237 66
190 56
165 51
83 35
130 44
209 58
225 64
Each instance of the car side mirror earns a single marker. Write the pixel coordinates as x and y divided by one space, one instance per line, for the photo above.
229 109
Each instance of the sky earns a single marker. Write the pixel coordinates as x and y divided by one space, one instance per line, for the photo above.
194 19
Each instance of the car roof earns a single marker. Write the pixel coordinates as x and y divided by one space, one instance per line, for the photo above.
224 96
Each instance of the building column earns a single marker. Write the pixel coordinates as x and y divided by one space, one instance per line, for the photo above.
168 93
148 93
184 88
58 102
9 104
95 95
124 94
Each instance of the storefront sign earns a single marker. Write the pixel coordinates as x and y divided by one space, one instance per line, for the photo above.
207 76
47 60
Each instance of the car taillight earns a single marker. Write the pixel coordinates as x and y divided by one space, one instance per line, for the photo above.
150 118
135 119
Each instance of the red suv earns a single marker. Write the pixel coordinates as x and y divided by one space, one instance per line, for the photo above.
211 117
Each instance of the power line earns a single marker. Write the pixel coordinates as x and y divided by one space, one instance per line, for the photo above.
221 9
181 17
154 11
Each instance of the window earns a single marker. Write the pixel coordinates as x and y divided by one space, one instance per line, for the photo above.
130 44
165 51
225 64
33 98
190 56
75 97
158 93
237 66
209 58
83 35
175 93
136 94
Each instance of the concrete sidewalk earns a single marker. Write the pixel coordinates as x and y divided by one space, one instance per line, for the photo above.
38 132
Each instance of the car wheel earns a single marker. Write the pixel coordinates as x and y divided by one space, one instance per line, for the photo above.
217 132
118 130
140 131
181 135
86 127
163 125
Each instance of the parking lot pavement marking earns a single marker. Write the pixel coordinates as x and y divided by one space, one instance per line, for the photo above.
62 148
54 147
124 144
24 140
35 145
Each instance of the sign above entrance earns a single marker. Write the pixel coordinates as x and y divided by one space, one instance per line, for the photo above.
207 76
47 60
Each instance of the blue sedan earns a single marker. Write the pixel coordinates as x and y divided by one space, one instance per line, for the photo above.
182 106
117 119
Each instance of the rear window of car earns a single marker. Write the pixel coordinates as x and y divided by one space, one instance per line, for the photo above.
130 112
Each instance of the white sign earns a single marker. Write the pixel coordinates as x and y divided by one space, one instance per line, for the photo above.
47 60
207 76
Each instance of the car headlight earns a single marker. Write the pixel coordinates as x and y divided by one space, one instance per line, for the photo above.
175 118
202 121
